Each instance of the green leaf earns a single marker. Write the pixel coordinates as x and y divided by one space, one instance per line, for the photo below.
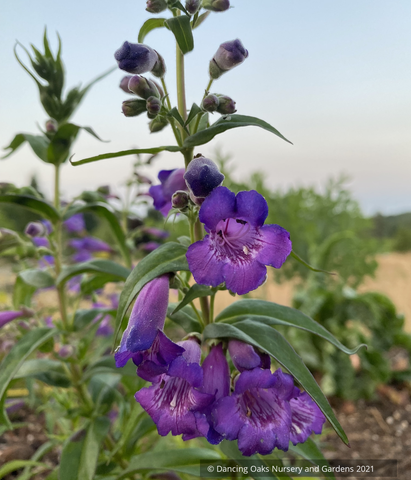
96 433
149 25
272 342
170 257
181 28
228 122
204 122
37 278
313 269
34 204
17 355
310 451
185 318
93 266
105 211
200 19
270 313
196 291
176 114
90 284
123 153
38 143
48 371
83 318
22 293
169 460
17 464
231 450
195 110
59 147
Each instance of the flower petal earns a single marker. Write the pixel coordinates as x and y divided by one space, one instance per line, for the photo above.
219 205
204 266
276 245
306 417
241 278
252 207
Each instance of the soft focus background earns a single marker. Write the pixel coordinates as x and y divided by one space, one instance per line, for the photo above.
333 77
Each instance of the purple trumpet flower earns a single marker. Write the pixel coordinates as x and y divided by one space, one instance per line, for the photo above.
104 329
75 223
8 316
238 245
171 181
82 256
149 246
41 242
245 357
90 244
258 413
136 58
143 340
173 401
155 232
305 417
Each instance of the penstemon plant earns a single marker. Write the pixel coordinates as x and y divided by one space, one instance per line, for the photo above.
242 407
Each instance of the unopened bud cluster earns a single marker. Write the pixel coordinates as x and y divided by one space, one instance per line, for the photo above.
219 103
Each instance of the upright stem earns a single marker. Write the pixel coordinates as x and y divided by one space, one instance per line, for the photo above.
57 187
181 87
171 120
199 116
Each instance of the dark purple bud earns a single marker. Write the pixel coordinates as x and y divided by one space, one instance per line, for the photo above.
156 6
142 87
245 357
65 351
135 58
226 105
203 176
159 69
51 126
216 5
35 229
229 55
124 83
210 103
132 108
153 105
157 124
192 6
180 199
75 223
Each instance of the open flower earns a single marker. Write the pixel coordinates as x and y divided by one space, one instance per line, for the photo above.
238 245
8 316
306 417
75 223
171 181
173 401
143 340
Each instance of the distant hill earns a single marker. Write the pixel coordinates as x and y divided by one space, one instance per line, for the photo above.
388 226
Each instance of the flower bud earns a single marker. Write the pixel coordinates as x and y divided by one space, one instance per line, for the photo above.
35 229
203 176
192 6
132 108
216 5
124 83
160 90
156 6
51 126
135 58
228 55
226 105
159 69
142 87
157 124
153 105
180 199
210 103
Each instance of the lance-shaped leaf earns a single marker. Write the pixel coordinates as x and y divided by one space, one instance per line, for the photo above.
306 264
199 20
170 257
105 211
22 293
48 371
38 143
124 153
225 123
16 357
93 266
270 313
33 204
196 291
148 26
181 28
195 110
272 342
185 318
37 278
14 465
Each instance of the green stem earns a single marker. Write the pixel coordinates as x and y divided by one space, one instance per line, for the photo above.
171 120
212 299
205 309
181 88
199 115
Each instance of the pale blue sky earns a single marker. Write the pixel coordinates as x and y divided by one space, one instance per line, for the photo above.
333 77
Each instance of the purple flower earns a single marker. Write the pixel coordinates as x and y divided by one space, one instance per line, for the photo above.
41 242
173 401
89 244
143 340
73 285
75 223
171 181
8 316
202 176
155 232
149 246
229 55
136 58
245 357
258 413
305 417
238 246
124 83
